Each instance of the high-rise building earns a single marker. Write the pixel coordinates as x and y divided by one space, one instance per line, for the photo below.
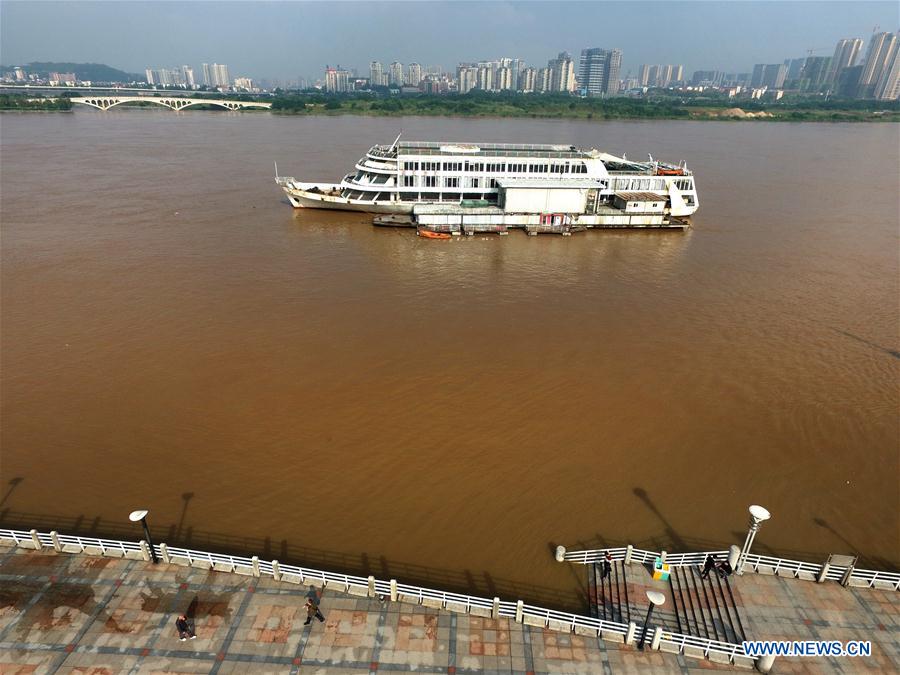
466 77
376 74
396 74
562 73
644 75
207 75
504 80
188 74
794 68
221 76
148 73
244 83
880 52
337 80
543 80
847 84
660 76
846 53
769 75
526 80
413 74
707 78
815 72
485 77
598 71
888 87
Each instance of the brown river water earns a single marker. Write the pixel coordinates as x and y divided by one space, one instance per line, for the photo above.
311 388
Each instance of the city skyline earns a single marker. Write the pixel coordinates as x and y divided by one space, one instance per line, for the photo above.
735 36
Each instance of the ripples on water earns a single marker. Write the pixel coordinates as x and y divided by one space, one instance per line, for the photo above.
325 389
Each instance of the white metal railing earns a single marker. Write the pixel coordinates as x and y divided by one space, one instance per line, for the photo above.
753 563
518 611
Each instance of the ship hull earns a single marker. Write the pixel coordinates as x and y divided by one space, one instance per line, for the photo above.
304 199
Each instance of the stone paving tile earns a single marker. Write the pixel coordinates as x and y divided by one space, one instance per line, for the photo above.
76 614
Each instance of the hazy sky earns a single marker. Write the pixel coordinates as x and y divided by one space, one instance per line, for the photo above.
290 39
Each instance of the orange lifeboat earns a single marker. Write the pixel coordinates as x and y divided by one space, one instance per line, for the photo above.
430 234
669 172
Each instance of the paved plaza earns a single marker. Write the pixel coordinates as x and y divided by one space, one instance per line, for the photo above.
62 613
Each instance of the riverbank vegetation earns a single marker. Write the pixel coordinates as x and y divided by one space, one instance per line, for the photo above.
687 107
23 102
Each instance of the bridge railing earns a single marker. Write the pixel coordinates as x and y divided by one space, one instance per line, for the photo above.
760 564
518 611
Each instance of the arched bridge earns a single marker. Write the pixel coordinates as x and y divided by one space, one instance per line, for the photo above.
173 102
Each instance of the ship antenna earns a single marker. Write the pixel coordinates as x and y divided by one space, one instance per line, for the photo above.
276 169
394 144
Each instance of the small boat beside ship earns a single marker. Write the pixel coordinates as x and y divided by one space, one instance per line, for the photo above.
491 187
431 234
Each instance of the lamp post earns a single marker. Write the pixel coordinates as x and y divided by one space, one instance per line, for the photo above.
758 515
141 517
655 598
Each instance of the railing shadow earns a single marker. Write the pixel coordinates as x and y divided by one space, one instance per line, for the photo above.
466 581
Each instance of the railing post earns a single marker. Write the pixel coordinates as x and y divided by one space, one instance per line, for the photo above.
662 557
495 609
393 590
276 570
520 610
657 636
629 550
254 563
164 550
629 636
145 551
560 553
822 574
765 662
371 586
35 539
57 546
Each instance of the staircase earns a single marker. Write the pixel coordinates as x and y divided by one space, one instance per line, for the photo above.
609 597
705 607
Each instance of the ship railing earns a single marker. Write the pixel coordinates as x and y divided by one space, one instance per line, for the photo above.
518 611
759 564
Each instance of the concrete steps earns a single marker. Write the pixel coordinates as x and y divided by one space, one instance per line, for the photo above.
705 607
609 597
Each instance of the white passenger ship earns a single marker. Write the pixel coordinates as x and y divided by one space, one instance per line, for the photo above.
399 177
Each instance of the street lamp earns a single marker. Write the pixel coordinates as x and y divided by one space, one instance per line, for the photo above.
140 516
655 598
758 515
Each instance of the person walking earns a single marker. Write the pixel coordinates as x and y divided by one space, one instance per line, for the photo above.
708 565
312 610
606 567
184 628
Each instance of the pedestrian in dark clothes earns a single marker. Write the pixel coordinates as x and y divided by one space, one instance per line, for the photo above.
184 628
606 567
708 565
312 610
724 569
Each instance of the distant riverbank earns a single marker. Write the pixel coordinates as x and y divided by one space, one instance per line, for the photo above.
483 105
520 106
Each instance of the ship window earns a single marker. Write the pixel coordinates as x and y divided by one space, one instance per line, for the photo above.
451 182
475 182
409 181
431 166
430 181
